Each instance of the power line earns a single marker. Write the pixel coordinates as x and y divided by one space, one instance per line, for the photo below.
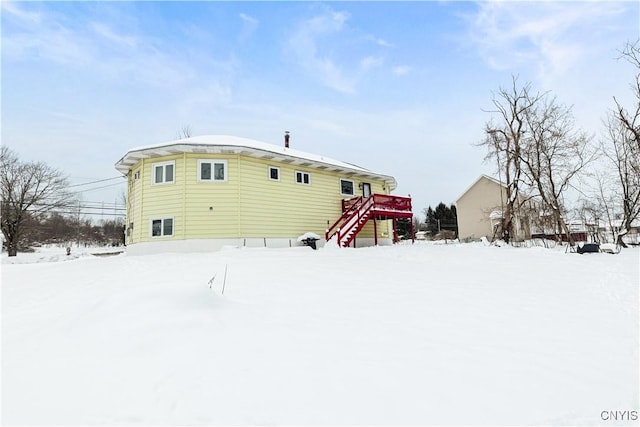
98 188
95 182
90 213
82 205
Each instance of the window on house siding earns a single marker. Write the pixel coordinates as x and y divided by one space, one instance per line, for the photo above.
163 173
303 178
212 170
162 227
205 171
274 173
347 187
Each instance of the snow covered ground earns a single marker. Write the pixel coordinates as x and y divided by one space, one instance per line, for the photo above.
422 334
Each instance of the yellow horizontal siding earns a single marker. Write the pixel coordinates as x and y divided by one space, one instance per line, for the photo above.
285 208
248 204
161 200
211 210
134 204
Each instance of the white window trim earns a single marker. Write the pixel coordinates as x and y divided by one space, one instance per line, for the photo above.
162 219
269 172
353 185
295 177
163 166
212 162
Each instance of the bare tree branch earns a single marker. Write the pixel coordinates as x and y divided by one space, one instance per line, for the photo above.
27 190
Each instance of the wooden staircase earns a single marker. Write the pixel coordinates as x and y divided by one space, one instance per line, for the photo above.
357 211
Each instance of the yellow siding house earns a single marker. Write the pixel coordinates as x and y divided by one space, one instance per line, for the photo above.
202 193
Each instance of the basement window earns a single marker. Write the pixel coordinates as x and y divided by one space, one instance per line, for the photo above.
347 187
303 178
163 172
161 227
212 170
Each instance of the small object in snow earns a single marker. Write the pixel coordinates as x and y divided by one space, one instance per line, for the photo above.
588 248
610 248
309 239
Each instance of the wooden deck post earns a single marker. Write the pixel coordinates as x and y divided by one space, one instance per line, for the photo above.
413 235
375 231
395 235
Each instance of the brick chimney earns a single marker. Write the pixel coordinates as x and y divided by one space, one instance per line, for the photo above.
286 139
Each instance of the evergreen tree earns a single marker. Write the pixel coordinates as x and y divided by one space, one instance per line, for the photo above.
431 221
403 228
442 218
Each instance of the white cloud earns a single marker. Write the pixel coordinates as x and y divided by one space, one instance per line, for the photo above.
380 42
248 19
249 26
107 52
371 62
304 45
36 35
550 37
107 33
384 43
12 9
333 52
401 70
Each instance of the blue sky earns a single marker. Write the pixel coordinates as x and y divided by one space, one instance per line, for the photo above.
396 87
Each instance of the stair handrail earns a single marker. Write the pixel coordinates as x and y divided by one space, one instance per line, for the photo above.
354 205
353 222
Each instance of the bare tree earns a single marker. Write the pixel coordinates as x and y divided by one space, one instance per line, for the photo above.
185 132
630 119
607 199
553 154
622 148
503 139
28 190
591 212
623 155
538 151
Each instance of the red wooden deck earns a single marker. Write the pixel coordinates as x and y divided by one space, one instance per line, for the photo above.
357 211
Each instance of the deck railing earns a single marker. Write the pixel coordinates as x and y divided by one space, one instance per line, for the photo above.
391 203
383 205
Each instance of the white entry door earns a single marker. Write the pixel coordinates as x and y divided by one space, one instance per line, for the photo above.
366 189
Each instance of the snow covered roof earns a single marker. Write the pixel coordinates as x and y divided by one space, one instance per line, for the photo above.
603 223
227 144
496 215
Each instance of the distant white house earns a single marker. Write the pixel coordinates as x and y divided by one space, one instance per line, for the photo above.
421 235
608 231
